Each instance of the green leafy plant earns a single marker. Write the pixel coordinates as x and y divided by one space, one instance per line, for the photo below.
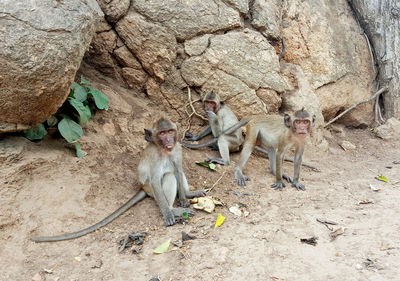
80 106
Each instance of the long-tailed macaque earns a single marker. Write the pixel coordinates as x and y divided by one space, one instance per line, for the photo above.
160 172
276 134
221 122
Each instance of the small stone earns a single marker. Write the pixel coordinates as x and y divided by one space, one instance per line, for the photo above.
348 145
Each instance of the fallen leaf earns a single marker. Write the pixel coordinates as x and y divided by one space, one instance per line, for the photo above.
235 210
364 202
163 247
205 203
336 233
382 178
37 277
220 220
374 188
310 241
277 278
211 166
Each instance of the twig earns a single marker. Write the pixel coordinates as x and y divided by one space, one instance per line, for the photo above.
192 107
212 187
290 160
357 104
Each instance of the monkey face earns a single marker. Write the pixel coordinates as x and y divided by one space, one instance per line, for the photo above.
210 106
301 126
167 139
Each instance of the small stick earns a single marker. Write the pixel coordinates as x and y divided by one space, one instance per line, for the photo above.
192 107
212 187
357 104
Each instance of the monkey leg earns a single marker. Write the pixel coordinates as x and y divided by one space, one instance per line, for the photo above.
167 198
223 145
189 193
244 156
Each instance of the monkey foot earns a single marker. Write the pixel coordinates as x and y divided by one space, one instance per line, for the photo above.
215 161
278 186
298 186
242 181
287 178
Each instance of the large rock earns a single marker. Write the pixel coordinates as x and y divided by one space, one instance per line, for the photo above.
235 65
187 19
154 45
42 46
324 39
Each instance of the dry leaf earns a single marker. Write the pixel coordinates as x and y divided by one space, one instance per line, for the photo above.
337 232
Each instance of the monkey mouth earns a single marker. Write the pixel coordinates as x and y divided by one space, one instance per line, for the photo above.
169 147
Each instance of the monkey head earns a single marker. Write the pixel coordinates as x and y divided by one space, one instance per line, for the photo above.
212 102
302 122
162 134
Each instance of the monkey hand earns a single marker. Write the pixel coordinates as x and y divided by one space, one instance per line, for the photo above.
184 203
278 185
211 114
191 137
287 178
195 193
298 186
219 161
178 212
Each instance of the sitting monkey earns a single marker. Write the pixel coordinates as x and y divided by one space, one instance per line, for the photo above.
160 172
224 126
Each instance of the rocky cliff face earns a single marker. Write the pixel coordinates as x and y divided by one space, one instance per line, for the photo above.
233 47
159 48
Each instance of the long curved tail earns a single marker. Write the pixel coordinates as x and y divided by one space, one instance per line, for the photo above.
135 199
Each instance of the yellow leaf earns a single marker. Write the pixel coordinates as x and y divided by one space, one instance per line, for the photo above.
163 247
220 220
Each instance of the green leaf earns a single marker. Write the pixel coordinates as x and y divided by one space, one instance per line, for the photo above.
100 99
185 215
163 247
79 92
79 152
84 111
52 121
382 178
70 130
211 166
36 133
84 81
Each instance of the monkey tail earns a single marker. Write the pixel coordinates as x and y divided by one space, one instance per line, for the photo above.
200 145
135 199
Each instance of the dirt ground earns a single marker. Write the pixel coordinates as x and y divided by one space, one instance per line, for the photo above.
45 190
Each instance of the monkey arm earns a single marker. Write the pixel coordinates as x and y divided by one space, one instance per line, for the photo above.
278 173
228 131
157 184
191 137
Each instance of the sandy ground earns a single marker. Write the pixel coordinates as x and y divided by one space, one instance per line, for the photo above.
45 190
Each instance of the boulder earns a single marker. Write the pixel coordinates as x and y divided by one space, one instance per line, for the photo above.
44 42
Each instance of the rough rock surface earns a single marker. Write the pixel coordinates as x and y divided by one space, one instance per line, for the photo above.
44 46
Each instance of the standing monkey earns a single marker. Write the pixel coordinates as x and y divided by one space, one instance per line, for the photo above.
276 134
221 121
160 172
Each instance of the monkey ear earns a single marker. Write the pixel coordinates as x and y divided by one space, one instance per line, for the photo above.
148 135
314 117
286 117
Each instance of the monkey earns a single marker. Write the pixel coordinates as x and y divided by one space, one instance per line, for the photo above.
223 125
161 175
276 134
